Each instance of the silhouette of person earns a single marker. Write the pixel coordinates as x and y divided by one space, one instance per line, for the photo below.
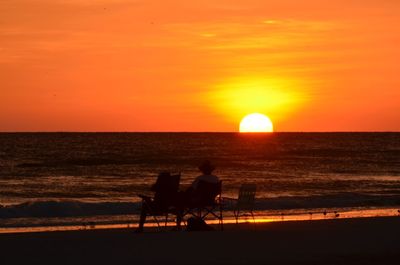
206 168
191 195
163 199
181 200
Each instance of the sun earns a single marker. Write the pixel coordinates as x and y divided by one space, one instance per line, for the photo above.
256 122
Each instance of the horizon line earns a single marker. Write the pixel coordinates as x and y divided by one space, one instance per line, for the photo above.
199 132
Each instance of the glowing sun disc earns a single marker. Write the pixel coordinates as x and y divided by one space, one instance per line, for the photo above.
256 122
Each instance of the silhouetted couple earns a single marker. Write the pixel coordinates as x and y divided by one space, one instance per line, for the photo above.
168 199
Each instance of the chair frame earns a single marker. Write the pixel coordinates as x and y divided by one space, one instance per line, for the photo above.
245 202
154 213
214 209
170 209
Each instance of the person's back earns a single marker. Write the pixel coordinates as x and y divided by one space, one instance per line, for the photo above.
202 185
206 178
205 193
165 188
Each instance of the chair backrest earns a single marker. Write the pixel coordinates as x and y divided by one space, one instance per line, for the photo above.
206 192
166 189
246 198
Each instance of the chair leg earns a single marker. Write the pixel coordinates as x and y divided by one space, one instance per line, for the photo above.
236 214
252 215
221 218
157 222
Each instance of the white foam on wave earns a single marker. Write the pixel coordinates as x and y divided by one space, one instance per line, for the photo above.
67 209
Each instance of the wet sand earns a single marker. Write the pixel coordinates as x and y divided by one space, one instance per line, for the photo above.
335 241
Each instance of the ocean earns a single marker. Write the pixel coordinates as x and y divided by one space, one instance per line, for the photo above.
60 179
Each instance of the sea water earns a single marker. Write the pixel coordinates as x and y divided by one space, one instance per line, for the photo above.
52 179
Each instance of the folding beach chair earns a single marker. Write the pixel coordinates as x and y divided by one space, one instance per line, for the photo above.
206 201
245 202
164 200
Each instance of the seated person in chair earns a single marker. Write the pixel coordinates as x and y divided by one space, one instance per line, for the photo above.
206 168
164 200
199 200
195 191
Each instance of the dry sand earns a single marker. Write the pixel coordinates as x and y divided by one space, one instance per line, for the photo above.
339 241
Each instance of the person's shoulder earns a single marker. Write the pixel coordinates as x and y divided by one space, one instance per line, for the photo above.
200 177
213 178
209 178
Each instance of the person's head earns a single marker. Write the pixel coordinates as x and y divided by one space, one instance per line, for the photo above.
206 167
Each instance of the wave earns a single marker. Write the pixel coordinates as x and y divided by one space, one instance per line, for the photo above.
341 200
78 162
67 209
47 209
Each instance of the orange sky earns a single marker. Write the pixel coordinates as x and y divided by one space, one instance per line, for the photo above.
169 65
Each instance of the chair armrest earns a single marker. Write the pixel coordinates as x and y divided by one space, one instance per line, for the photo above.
228 202
144 197
228 199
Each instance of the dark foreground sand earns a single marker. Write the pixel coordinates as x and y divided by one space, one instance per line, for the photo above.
341 241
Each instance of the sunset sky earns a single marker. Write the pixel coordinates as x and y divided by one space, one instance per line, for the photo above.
169 65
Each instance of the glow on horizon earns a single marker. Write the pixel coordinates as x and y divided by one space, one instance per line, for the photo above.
237 97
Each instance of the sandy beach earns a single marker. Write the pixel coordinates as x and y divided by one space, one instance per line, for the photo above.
339 241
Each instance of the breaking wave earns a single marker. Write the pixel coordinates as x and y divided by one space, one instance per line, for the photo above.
67 209
47 209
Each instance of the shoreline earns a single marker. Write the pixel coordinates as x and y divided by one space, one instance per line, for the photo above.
259 219
372 240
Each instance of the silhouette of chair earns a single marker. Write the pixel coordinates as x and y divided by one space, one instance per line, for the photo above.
206 201
164 200
245 201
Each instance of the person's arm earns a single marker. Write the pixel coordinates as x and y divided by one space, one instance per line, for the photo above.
155 186
194 184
